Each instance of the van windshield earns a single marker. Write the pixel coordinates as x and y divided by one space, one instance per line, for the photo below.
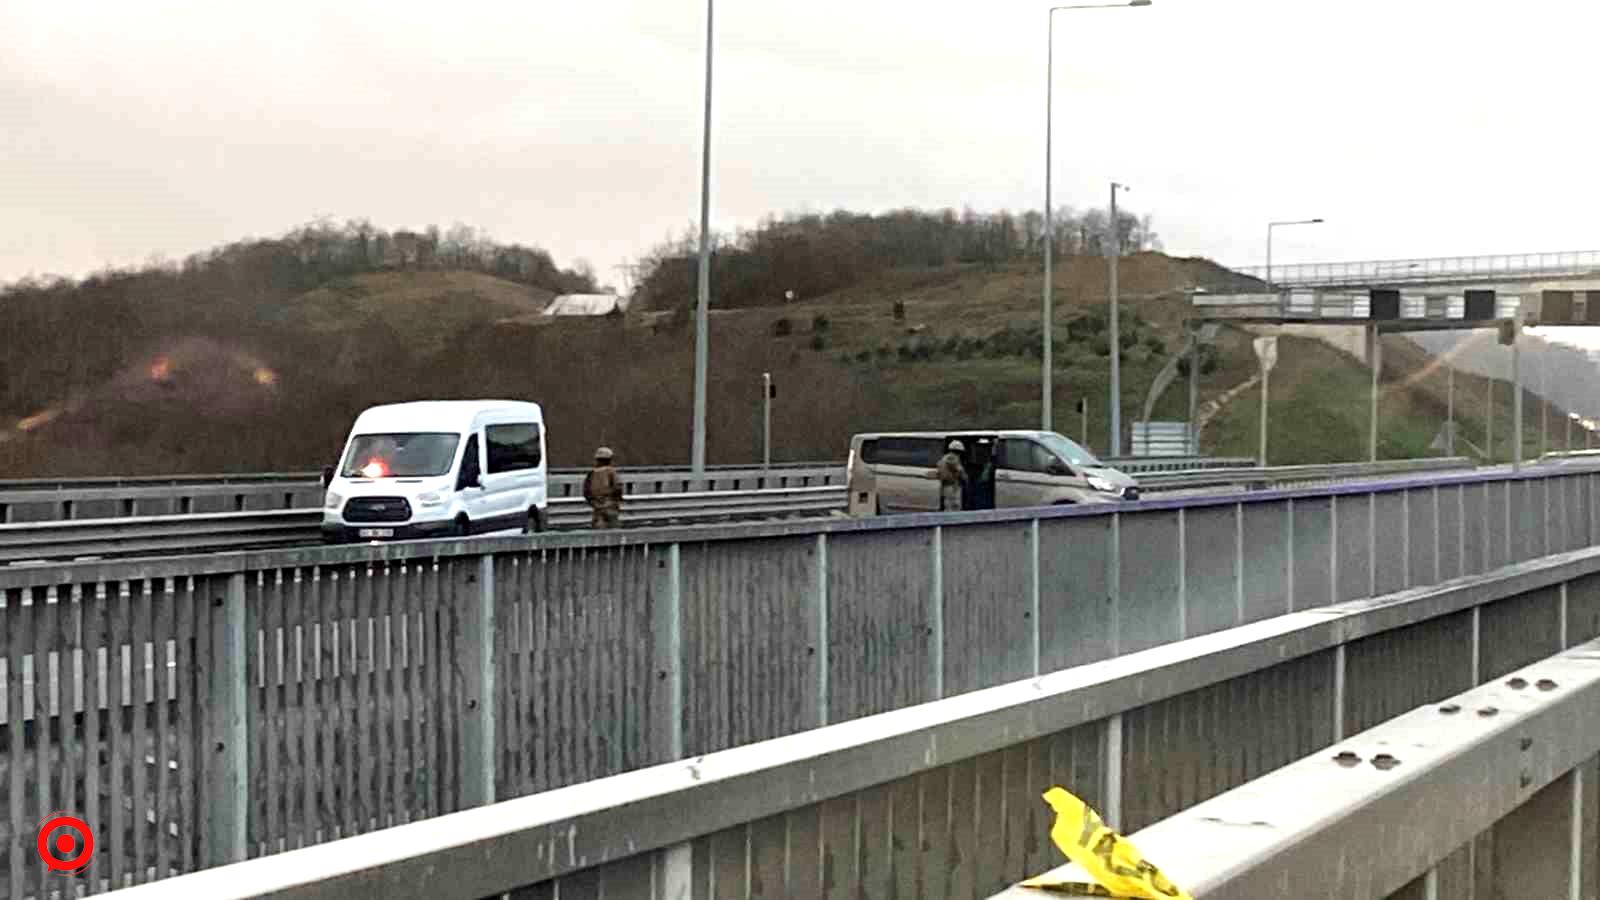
1068 450
413 455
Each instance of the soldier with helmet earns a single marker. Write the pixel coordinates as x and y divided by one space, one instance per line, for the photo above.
952 475
602 488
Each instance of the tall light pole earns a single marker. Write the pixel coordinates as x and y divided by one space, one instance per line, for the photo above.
1047 375
703 307
1116 334
1272 225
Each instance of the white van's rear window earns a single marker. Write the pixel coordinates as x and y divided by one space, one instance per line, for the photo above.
407 455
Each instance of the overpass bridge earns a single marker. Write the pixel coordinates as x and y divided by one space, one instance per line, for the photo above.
1506 269
861 708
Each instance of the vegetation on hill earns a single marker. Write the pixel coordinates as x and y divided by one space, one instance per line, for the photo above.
806 256
257 356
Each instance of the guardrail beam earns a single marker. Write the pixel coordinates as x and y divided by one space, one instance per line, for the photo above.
1374 814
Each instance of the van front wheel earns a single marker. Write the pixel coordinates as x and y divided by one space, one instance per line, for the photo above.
535 523
463 527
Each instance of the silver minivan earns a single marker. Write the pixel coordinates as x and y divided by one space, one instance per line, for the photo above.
896 472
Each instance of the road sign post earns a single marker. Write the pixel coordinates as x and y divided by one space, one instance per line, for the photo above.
767 393
1267 354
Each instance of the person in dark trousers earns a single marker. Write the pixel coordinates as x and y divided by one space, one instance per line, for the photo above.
602 488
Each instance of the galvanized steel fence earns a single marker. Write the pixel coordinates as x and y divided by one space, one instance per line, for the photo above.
291 697
942 800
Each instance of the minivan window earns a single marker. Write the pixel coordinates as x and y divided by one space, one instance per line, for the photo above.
513 447
469 464
406 455
1022 455
916 452
1068 450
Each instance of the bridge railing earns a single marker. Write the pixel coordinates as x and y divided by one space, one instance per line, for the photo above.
1401 271
1489 793
293 697
942 799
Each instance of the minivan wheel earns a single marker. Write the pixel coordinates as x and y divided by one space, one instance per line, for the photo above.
535 523
463 527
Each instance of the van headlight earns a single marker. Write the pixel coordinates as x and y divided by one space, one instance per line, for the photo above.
331 501
430 499
1102 485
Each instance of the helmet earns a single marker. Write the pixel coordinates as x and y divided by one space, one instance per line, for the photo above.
957 446
603 453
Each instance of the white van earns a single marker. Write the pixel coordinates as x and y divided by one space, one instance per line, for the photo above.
895 472
439 469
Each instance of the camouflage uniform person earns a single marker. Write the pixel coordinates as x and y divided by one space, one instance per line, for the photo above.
602 488
952 478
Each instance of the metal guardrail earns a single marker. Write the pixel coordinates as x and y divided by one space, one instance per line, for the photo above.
1431 269
215 532
98 498
128 536
118 498
1401 809
942 799
1293 476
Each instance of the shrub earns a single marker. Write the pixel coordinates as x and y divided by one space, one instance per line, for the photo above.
818 342
782 328
1155 345
899 310
819 324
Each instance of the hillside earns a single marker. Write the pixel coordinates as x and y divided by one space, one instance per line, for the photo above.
197 382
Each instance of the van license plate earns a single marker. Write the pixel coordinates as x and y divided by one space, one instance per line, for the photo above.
376 532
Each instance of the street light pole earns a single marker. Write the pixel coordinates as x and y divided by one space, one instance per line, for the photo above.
1116 335
702 309
1272 225
1047 312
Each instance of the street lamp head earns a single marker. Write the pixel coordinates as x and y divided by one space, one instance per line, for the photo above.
1316 221
1138 2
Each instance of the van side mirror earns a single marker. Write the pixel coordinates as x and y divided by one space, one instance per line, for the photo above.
327 476
470 479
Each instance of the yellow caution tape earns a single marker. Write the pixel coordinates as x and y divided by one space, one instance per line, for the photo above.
1108 857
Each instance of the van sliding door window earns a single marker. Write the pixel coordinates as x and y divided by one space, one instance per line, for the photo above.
913 452
513 447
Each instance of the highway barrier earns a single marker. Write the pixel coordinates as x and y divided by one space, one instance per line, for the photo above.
216 532
942 799
38 500
652 502
1490 793
104 498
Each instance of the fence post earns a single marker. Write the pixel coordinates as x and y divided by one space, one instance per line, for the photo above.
227 783
476 608
817 625
666 692
934 684
1034 577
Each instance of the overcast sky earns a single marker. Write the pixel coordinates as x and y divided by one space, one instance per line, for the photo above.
1416 128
